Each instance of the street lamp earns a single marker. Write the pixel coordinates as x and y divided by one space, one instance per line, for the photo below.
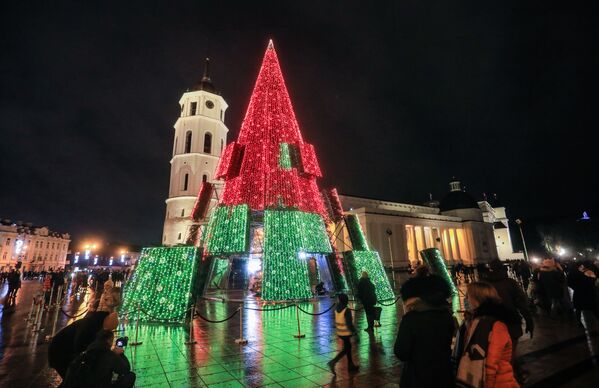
389 233
123 256
519 222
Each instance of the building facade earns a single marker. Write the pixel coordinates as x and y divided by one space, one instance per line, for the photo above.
36 248
461 228
199 138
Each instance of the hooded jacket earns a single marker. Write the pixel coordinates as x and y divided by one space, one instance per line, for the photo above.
498 353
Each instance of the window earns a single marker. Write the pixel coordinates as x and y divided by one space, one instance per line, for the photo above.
47 245
52 245
37 244
182 109
188 142
194 108
185 181
179 238
204 178
4 256
222 144
7 241
208 142
175 146
182 212
221 115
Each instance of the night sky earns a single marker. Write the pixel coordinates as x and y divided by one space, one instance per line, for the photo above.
396 98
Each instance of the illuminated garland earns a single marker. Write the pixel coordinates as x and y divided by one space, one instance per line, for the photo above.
369 261
284 157
362 259
295 231
161 284
285 277
356 236
228 230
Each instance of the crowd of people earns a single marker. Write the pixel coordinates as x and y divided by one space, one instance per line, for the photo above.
499 304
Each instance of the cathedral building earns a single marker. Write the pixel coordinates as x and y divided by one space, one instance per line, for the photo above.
463 229
200 136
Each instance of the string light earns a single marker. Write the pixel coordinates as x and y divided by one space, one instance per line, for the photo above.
161 283
228 230
356 236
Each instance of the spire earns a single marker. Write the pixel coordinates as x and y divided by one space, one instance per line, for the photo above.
206 76
271 45
206 83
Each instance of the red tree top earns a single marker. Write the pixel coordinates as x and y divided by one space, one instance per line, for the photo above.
270 165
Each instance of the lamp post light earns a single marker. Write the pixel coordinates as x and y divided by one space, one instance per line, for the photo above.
519 222
389 233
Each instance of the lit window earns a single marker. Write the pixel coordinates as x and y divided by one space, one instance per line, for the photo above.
188 142
208 143
194 108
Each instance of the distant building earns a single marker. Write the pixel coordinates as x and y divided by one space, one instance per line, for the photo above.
199 138
460 227
36 248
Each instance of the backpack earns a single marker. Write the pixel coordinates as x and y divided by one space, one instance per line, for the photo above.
471 366
81 372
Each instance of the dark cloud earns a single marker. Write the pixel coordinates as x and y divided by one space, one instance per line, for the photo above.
397 98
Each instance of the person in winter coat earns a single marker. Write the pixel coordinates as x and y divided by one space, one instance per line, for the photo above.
345 329
582 281
96 366
367 295
76 337
512 297
483 345
551 281
425 333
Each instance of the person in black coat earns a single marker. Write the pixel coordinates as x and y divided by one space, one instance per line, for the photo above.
425 333
582 281
96 366
76 337
367 295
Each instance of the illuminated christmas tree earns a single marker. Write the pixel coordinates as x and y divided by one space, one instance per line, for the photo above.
270 177
270 191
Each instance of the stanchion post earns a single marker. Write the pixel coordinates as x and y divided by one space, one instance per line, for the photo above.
136 342
50 300
299 330
40 312
191 340
241 340
28 319
49 337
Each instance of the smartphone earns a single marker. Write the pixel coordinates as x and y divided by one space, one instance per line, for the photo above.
122 342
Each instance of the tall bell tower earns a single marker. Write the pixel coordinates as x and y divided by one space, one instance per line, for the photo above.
200 137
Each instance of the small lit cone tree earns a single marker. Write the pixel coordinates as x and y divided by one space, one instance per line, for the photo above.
270 175
362 259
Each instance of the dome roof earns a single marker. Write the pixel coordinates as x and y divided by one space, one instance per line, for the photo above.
457 199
